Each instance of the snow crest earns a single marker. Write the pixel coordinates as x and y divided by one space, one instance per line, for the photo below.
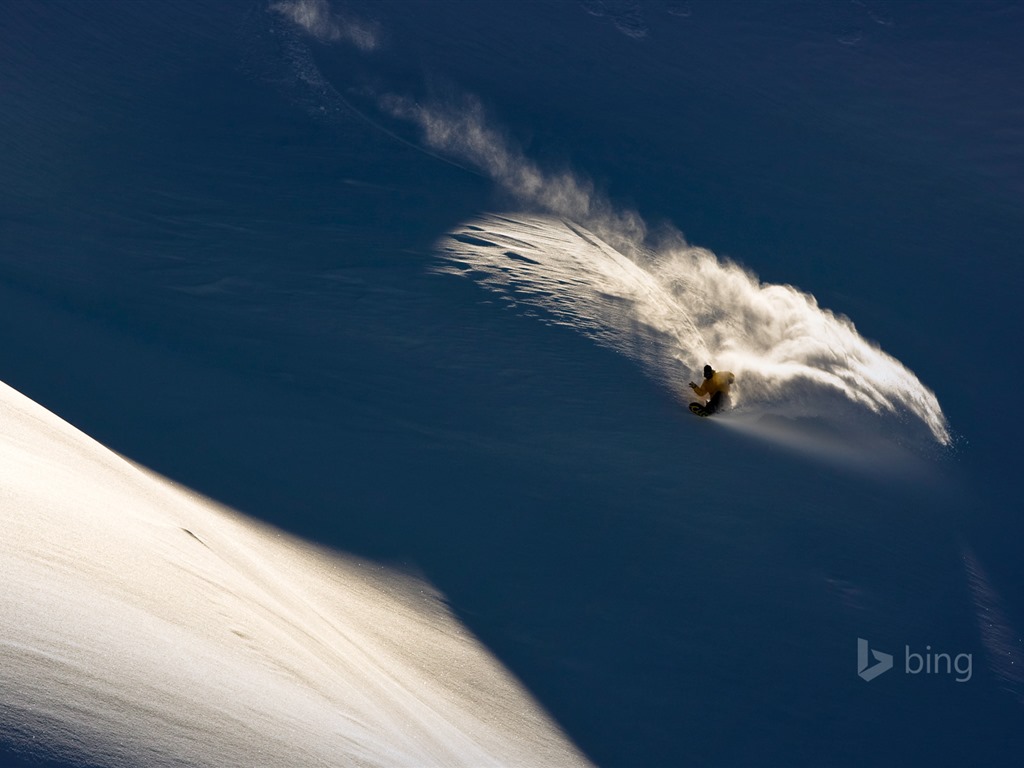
141 624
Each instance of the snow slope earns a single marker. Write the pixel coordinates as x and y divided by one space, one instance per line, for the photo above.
217 231
141 624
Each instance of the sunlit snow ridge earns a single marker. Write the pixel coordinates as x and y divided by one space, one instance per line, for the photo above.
141 624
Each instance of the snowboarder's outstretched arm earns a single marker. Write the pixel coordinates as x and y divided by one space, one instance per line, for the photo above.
699 390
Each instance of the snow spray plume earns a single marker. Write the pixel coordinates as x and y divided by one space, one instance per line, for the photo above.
463 132
674 309
670 306
316 18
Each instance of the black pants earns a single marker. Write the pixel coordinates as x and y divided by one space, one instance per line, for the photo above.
716 402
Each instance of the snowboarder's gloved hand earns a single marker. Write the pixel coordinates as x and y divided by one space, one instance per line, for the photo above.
692 385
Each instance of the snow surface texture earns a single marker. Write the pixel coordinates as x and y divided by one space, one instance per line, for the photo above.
144 625
1001 640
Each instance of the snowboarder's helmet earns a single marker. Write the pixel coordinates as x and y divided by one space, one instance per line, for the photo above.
708 371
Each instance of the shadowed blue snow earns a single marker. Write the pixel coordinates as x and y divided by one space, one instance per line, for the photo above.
228 235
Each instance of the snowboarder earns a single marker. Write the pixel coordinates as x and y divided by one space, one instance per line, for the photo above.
716 386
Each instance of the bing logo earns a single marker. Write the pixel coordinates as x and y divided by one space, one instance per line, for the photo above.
883 661
927 663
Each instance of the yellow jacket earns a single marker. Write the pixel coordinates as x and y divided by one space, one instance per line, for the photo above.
719 382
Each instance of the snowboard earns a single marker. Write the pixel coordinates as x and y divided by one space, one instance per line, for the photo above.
699 409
